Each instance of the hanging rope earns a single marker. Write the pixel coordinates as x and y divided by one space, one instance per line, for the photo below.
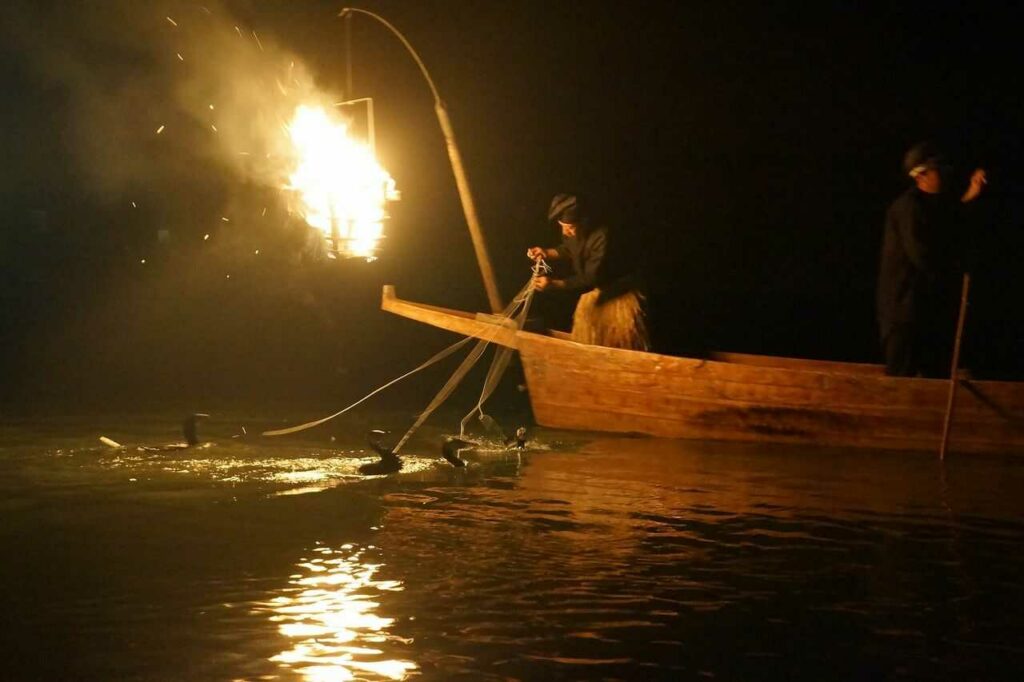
521 300
500 362
520 304
437 358
502 356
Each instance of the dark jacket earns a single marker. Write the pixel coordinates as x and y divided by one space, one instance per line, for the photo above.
596 263
919 266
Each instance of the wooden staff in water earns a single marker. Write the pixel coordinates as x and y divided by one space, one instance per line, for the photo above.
953 381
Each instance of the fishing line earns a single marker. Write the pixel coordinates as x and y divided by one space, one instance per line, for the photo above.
509 314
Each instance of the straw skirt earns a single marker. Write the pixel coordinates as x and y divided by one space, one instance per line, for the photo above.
618 323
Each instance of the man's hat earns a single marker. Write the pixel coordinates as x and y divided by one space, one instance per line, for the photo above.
921 157
566 208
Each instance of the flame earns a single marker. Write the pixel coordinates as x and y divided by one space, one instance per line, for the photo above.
342 189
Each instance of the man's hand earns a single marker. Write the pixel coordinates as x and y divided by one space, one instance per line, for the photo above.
542 282
978 181
535 252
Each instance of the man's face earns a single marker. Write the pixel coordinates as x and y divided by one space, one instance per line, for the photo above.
929 180
568 229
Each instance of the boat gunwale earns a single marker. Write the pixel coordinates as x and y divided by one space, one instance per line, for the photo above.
391 303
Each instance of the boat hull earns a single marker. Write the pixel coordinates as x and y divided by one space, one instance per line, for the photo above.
581 387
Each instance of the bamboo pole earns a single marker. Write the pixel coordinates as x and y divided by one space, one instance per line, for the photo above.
461 182
953 381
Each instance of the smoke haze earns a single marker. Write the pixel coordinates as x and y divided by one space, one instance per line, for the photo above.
152 93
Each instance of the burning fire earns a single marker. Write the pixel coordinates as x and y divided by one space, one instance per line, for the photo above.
342 189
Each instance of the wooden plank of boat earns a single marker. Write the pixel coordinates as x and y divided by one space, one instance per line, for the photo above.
586 387
798 363
680 397
488 327
575 386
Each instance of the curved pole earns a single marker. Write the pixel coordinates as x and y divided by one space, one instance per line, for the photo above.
466 197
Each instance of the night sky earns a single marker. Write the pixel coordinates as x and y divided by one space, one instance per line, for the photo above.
747 151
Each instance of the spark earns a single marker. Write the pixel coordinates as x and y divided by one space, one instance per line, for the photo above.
257 252
133 205
211 107
173 22
243 153
206 10
205 237
264 211
180 58
214 127
143 261
257 40
160 129
238 31
225 219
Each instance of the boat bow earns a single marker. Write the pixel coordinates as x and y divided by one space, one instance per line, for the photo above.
493 328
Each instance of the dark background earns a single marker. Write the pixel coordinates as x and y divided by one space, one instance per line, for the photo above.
748 149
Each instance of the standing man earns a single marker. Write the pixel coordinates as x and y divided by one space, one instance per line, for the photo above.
920 272
610 310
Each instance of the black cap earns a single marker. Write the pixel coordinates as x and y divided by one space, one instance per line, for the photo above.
922 156
566 208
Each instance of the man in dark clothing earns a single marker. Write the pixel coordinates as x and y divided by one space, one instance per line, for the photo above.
920 273
610 309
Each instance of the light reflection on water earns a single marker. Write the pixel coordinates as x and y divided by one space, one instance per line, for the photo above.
610 558
329 614
295 474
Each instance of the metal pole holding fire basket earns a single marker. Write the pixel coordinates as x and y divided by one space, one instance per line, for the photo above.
466 197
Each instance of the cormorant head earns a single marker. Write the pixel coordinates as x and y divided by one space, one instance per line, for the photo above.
374 438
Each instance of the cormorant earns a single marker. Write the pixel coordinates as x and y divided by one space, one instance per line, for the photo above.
188 428
389 462
519 439
494 429
451 448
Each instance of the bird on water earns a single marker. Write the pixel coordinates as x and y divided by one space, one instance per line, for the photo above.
388 463
189 429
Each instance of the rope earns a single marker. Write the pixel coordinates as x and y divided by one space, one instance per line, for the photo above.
498 366
521 299
540 267
502 357
437 358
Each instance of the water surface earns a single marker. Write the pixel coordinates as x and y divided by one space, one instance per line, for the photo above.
585 557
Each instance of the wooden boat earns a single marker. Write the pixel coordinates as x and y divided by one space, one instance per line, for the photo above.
734 396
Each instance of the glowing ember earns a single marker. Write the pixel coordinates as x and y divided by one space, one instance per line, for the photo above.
342 189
